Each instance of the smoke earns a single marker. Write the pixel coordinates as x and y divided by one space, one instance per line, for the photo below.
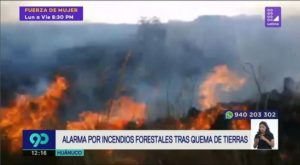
167 63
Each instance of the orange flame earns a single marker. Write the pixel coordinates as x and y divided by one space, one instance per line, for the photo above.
207 118
240 124
229 81
223 77
29 112
124 110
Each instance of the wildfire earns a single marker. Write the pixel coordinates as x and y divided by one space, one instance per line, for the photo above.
123 111
240 124
28 112
223 77
207 118
228 80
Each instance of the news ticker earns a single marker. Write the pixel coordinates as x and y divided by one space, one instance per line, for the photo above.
75 142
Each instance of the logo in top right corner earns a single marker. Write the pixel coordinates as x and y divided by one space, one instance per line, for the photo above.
273 16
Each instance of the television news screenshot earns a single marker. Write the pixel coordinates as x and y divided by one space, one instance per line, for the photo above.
150 82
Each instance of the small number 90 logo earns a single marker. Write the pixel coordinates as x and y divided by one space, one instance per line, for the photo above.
37 139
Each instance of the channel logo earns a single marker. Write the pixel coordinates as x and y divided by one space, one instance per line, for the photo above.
273 16
39 139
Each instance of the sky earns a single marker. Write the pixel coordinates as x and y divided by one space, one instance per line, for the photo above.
117 12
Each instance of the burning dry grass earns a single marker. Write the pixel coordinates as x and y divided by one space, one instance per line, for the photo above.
240 124
228 80
123 110
29 112
223 77
207 118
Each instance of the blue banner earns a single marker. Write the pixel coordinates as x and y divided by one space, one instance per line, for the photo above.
51 13
250 114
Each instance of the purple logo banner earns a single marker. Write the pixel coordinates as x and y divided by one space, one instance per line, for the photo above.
51 13
273 16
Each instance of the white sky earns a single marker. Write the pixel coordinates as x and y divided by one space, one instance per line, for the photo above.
132 11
